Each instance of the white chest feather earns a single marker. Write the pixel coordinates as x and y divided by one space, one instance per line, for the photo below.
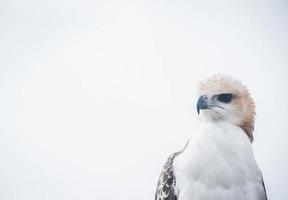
218 164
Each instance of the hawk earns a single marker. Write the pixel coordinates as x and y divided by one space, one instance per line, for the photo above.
218 162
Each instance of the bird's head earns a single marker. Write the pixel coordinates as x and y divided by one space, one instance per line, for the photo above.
223 98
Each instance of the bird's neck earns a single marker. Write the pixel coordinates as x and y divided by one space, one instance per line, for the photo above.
221 126
219 133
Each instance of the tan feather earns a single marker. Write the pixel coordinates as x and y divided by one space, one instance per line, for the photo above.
243 103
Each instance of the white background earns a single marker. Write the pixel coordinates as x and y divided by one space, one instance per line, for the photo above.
95 95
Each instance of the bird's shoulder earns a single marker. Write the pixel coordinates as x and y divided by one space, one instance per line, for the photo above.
166 184
264 188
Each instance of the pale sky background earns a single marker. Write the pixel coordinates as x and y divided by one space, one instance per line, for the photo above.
95 95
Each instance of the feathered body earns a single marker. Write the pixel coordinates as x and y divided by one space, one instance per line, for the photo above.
218 164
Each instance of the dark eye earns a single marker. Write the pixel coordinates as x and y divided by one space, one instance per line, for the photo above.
225 98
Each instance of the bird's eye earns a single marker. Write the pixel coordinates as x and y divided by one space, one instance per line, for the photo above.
225 98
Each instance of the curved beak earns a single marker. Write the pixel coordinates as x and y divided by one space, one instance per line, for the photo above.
202 103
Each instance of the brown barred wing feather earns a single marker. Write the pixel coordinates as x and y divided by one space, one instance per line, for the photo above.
166 183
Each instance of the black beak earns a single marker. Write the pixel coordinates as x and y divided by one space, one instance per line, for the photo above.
202 103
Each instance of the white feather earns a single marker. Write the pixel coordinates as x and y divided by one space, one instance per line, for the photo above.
218 164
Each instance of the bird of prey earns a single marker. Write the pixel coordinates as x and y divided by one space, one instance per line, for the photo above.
217 163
